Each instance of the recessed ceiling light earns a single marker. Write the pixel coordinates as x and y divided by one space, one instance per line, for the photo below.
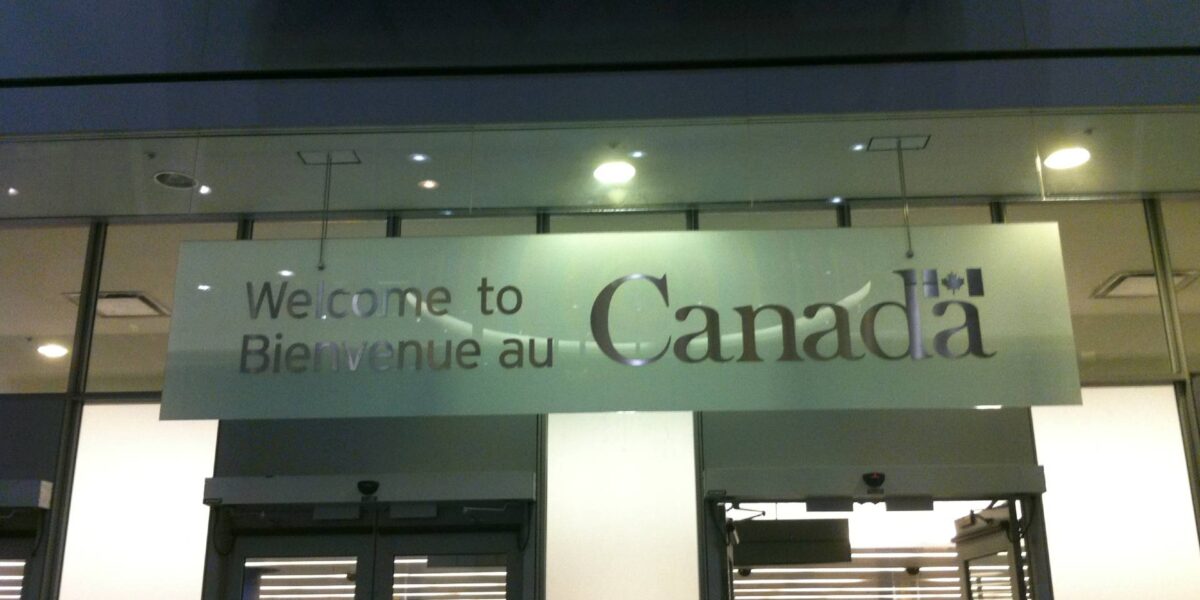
836 200
1067 158
52 350
428 184
858 147
13 191
204 287
204 190
175 180
614 172
447 213
418 157
286 273
637 154
988 407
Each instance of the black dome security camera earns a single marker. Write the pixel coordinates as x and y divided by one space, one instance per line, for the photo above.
874 480
368 487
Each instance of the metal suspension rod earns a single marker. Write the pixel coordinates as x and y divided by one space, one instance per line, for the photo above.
325 210
904 196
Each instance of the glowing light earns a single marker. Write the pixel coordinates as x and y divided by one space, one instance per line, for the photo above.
615 172
428 184
1067 158
52 350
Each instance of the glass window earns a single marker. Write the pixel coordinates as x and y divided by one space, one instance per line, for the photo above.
304 230
768 219
300 577
42 266
1115 309
618 222
468 226
1182 217
449 576
862 215
138 527
133 318
12 578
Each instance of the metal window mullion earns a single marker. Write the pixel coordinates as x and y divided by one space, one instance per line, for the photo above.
1038 548
245 229
1189 425
64 472
999 212
543 465
1173 327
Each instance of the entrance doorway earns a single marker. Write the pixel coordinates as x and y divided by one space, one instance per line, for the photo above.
19 529
961 550
371 552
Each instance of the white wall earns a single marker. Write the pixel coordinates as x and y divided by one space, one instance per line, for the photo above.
137 526
1119 517
621 507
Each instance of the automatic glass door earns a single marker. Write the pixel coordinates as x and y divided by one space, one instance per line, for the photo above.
373 557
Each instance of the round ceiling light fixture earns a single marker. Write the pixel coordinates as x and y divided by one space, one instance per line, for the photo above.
1067 158
204 190
615 172
175 180
428 184
418 157
13 191
52 350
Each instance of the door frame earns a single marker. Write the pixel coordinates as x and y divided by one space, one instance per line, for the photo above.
373 533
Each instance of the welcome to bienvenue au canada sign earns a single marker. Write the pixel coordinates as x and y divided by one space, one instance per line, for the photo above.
623 321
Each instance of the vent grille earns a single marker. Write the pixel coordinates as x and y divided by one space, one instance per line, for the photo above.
1139 284
125 305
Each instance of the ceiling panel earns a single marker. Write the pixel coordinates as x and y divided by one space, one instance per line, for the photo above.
988 154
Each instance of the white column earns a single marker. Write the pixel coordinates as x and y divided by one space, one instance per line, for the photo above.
621 507
1119 518
138 525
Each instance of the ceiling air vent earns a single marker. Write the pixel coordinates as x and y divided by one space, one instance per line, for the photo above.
1139 284
119 305
904 142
